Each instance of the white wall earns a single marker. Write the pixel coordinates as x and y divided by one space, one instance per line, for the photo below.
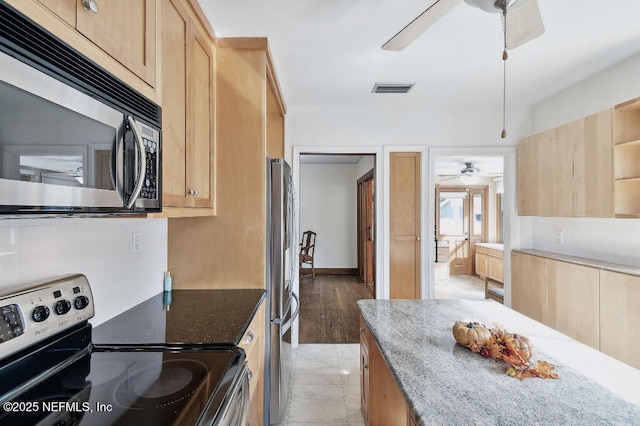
37 249
432 126
328 206
614 240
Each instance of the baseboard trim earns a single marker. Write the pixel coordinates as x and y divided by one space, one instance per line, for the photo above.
330 271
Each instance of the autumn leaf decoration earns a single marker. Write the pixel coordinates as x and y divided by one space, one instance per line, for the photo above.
516 351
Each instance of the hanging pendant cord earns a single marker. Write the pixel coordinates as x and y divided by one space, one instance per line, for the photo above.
505 56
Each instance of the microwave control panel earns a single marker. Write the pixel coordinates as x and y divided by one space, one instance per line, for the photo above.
151 142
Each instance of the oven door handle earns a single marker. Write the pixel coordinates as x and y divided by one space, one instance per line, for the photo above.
141 162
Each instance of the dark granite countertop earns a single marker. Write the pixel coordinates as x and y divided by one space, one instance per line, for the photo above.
197 317
445 383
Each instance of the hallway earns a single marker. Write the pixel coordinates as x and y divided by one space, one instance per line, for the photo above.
328 311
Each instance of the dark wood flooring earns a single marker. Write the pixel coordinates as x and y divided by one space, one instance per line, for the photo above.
328 310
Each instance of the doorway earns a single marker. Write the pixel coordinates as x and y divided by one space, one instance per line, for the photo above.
336 201
461 223
467 215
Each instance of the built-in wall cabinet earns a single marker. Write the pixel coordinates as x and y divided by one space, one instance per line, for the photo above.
587 168
119 35
229 249
626 154
188 113
590 301
568 171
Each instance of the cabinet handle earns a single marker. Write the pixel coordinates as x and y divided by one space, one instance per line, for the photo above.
365 366
249 338
90 6
193 192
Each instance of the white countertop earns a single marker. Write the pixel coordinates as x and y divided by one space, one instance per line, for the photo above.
594 263
445 383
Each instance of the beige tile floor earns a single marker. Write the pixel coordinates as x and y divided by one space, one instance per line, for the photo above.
326 386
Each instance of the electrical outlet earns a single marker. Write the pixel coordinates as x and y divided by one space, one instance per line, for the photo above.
136 242
559 236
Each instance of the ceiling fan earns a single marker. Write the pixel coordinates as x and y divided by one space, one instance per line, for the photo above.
522 21
469 174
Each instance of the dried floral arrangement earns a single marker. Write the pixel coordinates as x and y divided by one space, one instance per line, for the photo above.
514 349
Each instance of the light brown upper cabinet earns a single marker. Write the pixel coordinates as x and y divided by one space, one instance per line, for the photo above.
536 171
250 127
188 114
568 171
626 137
114 33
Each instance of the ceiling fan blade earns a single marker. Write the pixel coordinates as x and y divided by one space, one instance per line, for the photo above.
419 25
524 23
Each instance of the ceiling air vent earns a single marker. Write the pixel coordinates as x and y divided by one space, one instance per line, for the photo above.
392 87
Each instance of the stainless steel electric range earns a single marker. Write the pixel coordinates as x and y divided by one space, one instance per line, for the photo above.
51 373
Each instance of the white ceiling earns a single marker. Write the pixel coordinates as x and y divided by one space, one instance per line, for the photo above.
327 52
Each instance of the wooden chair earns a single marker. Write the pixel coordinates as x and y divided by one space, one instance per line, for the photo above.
307 248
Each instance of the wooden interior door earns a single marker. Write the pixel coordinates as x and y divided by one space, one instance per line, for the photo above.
366 231
461 221
404 222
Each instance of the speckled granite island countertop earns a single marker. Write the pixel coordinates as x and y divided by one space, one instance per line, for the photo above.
445 383
200 317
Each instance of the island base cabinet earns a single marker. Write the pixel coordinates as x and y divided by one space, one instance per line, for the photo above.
619 316
383 403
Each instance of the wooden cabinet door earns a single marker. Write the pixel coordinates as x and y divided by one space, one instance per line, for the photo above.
584 158
63 9
200 119
529 286
404 219
175 38
482 265
495 268
126 30
536 174
386 404
365 342
620 316
573 298
187 114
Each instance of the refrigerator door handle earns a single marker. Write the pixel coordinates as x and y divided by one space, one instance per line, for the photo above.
287 325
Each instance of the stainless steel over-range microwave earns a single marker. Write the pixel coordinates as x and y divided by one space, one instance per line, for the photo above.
73 138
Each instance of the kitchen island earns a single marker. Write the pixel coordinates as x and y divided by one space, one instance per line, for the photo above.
445 383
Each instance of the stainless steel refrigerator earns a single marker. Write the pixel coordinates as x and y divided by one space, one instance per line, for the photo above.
282 303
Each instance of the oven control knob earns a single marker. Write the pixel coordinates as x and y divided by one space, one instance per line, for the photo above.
81 302
40 313
62 307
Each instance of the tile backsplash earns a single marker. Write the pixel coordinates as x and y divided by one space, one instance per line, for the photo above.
32 250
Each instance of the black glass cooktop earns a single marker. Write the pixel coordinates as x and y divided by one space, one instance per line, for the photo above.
127 387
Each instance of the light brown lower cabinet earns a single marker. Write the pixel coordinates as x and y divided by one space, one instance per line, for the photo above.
383 402
620 316
253 343
573 301
529 286
595 306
